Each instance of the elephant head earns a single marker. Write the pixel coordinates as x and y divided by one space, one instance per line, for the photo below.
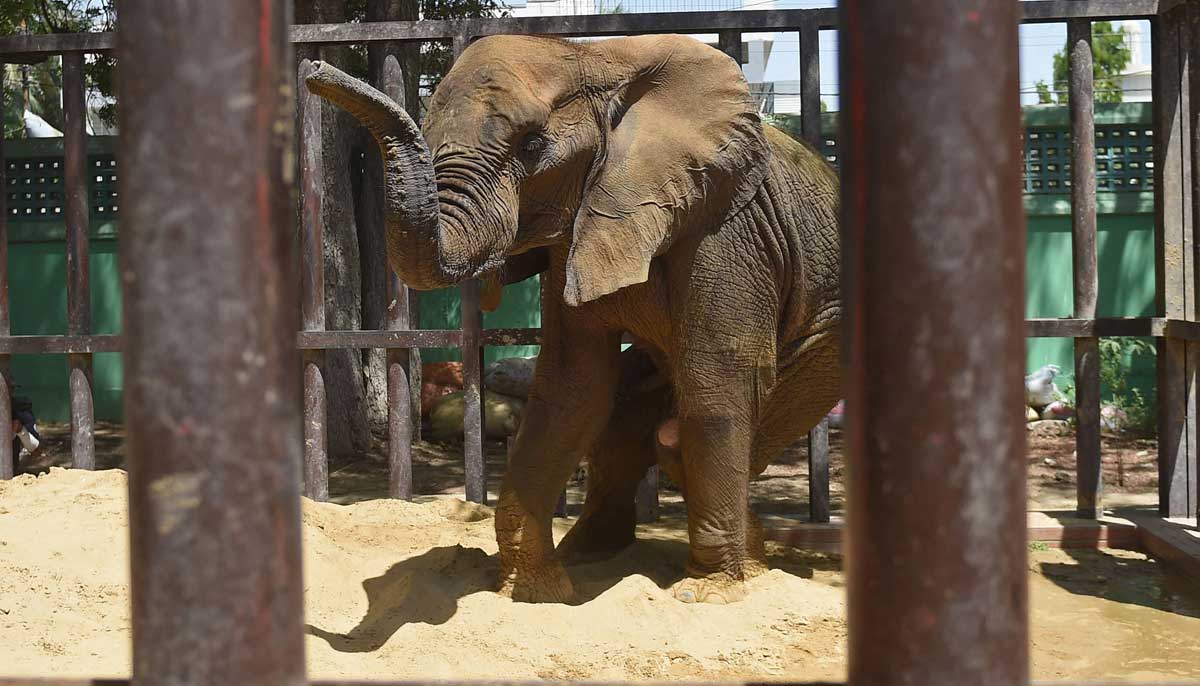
614 147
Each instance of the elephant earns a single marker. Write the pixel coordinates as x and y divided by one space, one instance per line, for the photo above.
638 174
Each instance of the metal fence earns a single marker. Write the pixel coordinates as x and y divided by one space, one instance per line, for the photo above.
215 527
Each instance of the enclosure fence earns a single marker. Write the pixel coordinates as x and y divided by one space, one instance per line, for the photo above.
206 102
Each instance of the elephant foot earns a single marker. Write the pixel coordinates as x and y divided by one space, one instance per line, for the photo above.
594 538
715 589
548 583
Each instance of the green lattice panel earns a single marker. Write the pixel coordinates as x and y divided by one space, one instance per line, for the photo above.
35 188
1124 159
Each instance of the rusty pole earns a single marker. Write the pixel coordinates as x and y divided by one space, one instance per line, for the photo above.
934 256
212 394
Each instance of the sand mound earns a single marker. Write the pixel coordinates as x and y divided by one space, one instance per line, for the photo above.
404 591
397 590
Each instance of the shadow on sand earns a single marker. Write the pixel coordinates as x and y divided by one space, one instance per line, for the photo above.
426 588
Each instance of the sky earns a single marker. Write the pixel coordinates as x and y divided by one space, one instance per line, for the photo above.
1039 42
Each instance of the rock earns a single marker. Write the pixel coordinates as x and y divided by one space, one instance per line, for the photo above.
1031 415
1057 410
430 392
511 376
1050 462
442 374
502 416
1050 427
1062 476
1113 418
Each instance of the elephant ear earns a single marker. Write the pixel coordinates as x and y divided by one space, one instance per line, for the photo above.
684 148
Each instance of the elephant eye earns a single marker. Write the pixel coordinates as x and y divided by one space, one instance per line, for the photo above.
532 146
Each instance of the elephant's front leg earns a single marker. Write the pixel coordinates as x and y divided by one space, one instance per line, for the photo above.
569 405
716 426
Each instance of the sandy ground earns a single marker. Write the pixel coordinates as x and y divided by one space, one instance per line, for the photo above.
403 591
1129 465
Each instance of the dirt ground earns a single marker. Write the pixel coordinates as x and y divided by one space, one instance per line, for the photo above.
404 591
1129 462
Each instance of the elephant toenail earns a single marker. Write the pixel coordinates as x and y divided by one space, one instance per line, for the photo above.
687 596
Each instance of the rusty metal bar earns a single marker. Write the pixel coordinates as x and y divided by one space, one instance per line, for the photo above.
212 395
946 219
312 286
417 338
79 300
35 47
7 458
400 394
1190 39
730 43
810 83
1177 447
818 472
1086 283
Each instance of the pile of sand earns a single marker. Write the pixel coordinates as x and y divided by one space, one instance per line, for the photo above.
402 591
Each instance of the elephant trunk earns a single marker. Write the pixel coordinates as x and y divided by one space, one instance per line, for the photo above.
415 231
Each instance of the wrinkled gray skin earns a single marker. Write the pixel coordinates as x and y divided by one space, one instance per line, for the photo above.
637 169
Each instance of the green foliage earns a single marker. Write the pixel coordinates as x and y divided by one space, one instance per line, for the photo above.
1110 56
43 82
1115 353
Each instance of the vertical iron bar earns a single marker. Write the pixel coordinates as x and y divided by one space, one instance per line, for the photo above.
312 288
1190 39
943 220
7 458
79 302
212 395
1081 91
818 472
1176 477
400 415
646 497
810 83
472 356
730 41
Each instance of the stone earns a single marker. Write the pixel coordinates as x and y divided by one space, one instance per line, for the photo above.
502 416
1050 427
511 376
1057 410
1031 415
431 392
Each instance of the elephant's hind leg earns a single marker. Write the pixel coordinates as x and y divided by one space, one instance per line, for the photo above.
616 464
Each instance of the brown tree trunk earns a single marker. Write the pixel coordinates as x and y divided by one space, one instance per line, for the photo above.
348 430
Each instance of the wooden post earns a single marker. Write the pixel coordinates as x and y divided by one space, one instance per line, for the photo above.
472 358
730 41
810 124
79 299
1083 229
818 472
312 287
1174 227
646 498
212 393
400 396
7 458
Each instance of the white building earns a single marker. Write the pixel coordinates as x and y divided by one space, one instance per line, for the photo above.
1136 84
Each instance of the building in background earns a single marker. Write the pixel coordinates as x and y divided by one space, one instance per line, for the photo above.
1136 85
